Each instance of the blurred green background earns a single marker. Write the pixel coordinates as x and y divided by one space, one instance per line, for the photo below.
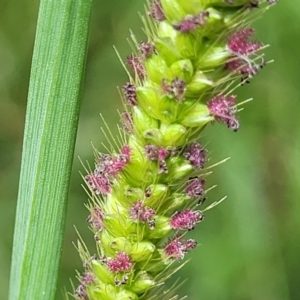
249 245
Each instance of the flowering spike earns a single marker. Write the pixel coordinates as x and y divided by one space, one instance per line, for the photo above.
151 188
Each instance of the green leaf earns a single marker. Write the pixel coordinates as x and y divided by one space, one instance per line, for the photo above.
49 139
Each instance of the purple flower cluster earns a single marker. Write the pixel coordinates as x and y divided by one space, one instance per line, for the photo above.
139 212
177 247
107 168
242 49
120 263
223 109
186 220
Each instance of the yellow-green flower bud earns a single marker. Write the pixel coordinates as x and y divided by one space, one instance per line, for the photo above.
120 225
142 121
213 56
133 194
162 228
165 30
175 202
157 69
156 194
198 85
102 272
178 168
198 117
142 250
106 240
120 244
148 99
156 264
113 227
191 7
167 109
126 194
214 22
183 69
126 295
174 135
172 10
185 44
167 50
142 282
153 136
138 164
113 206
161 108
103 292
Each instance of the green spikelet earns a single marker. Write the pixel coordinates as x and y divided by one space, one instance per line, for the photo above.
146 195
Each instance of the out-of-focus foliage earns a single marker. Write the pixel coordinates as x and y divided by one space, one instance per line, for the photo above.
249 245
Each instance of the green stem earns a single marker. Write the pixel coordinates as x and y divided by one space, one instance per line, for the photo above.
49 140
